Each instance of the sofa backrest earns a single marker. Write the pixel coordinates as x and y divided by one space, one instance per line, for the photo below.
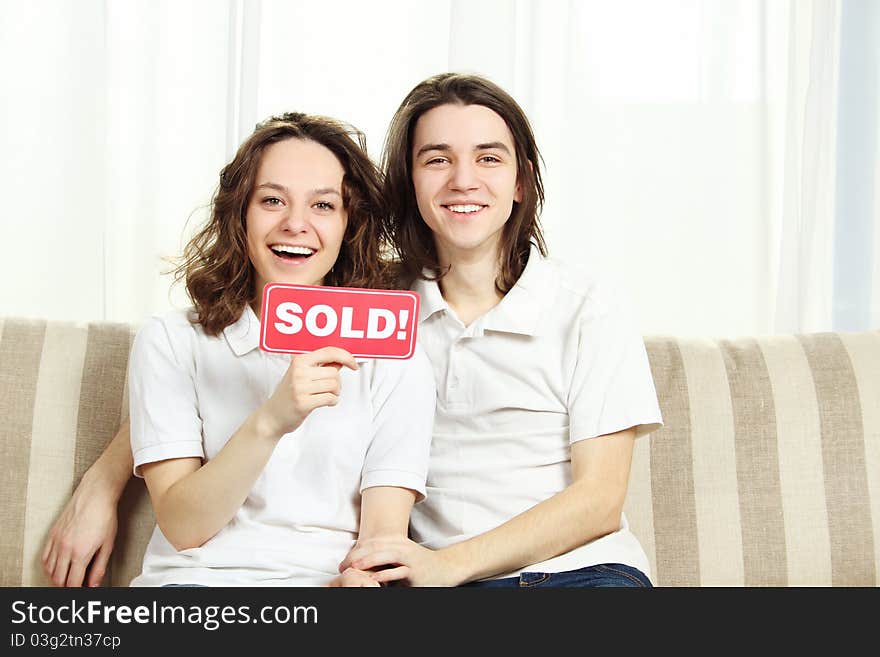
766 472
63 393
767 469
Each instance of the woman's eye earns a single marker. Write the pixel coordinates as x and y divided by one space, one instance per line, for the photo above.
324 205
272 201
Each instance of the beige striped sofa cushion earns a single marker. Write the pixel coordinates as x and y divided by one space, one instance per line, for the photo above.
63 393
767 471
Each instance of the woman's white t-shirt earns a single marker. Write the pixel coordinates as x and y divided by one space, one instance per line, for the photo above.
190 392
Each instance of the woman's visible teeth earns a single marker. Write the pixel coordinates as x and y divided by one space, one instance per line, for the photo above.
296 250
465 208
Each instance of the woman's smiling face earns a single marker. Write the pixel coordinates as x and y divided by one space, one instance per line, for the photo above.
295 216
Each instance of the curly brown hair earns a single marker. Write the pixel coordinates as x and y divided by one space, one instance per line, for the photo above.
413 240
215 265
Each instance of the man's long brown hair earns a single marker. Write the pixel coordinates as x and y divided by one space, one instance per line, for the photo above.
412 238
215 265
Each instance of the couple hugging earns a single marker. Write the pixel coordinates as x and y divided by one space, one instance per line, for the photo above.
498 455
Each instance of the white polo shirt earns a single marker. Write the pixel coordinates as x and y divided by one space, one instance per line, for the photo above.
190 392
556 361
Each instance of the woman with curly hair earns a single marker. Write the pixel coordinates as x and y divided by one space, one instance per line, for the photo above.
264 469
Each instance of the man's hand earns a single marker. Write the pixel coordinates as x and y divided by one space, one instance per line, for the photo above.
354 577
82 534
403 559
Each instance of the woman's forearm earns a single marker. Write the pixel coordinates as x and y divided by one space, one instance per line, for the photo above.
385 511
201 502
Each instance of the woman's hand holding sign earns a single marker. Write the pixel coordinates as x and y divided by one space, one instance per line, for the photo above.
312 380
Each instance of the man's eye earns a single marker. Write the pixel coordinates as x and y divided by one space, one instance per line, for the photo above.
436 160
490 158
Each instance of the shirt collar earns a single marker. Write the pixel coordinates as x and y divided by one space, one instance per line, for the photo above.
430 299
519 311
244 335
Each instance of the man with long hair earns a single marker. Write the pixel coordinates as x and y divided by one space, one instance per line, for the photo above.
542 383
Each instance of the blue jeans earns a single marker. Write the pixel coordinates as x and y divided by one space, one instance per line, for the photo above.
606 574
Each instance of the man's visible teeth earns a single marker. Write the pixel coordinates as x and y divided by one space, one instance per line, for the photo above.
465 208
297 250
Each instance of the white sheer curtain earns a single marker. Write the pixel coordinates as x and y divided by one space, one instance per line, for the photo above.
804 122
113 117
695 150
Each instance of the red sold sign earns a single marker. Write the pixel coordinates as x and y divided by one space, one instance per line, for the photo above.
367 323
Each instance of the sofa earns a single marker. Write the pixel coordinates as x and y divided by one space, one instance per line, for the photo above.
766 472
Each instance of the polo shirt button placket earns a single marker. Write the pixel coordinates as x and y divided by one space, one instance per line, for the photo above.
453 385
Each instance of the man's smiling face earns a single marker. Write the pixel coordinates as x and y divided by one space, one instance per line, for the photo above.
465 177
